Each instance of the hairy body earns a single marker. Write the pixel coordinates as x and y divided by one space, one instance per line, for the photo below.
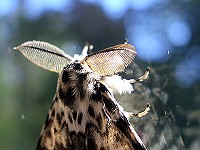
85 115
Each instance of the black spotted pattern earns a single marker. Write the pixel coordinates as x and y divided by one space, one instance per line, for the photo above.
70 118
67 96
48 133
110 105
64 124
77 141
65 76
55 130
123 125
80 117
61 93
59 119
81 140
91 111
96 97
62 114
102 148
81 89
82 77
53 113
74 114
91 143
99 121
90 130
59 146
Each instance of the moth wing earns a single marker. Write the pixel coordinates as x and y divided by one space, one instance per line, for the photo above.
45 55
111 60
121 133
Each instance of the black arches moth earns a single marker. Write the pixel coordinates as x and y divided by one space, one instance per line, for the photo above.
84 114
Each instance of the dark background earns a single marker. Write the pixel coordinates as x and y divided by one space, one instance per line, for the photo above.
166 35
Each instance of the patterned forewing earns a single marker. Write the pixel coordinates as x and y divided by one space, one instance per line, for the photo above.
86 116
111 60
45 55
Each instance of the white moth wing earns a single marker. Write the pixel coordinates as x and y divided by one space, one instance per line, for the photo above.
111 60
45 55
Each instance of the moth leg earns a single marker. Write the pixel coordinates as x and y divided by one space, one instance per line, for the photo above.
142 113
141 78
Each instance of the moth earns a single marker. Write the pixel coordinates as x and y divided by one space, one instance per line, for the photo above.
84 114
